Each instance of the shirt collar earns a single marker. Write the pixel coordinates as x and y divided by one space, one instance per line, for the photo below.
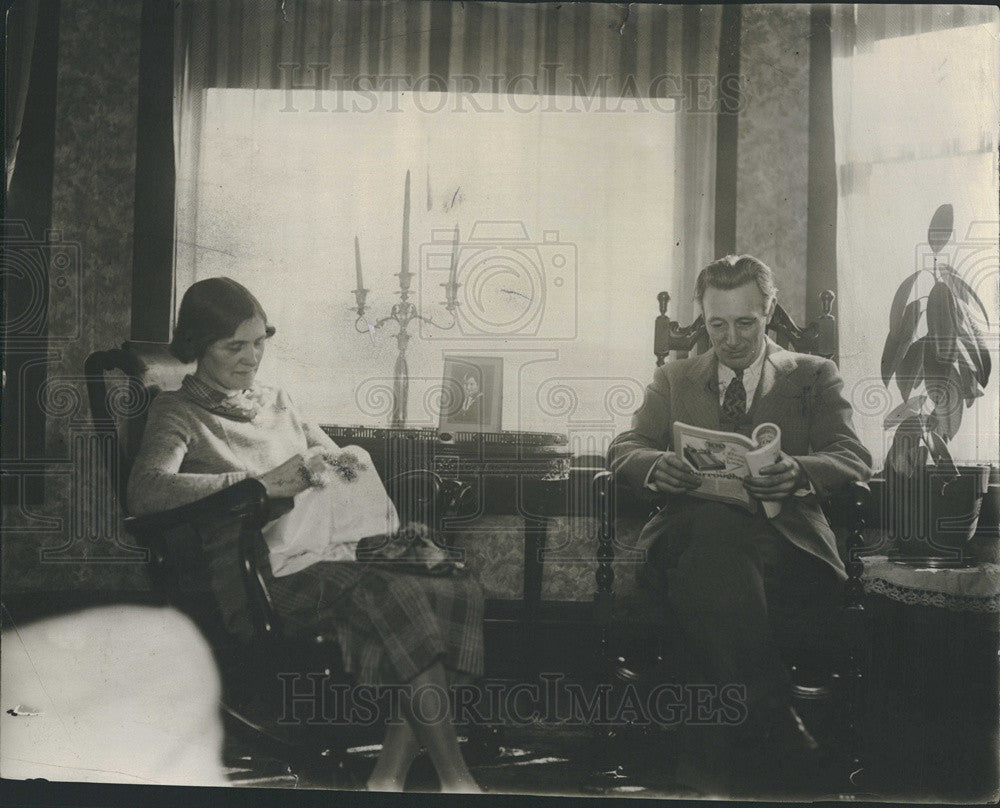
751 375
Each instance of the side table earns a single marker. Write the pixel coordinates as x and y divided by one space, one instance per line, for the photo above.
931 713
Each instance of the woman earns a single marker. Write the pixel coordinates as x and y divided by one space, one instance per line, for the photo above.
220 428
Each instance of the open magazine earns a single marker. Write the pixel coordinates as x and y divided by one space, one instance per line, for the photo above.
723 459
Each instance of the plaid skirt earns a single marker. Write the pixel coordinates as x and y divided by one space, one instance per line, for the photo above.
391 624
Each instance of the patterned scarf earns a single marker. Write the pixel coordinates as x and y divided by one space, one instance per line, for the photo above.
242 405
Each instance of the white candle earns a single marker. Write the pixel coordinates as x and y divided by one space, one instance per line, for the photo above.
406 225
357 263
454 262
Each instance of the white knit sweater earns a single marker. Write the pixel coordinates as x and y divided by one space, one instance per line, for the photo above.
188 452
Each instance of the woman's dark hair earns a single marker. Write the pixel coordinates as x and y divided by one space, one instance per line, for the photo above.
211 310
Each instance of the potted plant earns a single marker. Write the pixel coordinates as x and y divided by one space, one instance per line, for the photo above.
936 354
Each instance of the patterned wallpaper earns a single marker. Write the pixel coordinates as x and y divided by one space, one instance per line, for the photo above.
93 191
772 162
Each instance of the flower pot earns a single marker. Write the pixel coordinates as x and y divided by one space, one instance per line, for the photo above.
930 516
985 545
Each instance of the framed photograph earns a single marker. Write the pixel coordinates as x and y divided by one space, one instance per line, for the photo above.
471 394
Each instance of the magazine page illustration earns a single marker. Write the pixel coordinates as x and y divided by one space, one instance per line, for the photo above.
724 459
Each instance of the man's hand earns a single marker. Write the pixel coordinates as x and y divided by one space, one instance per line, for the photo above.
777 481
672 474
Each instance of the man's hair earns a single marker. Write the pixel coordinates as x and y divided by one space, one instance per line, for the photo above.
211 310
734 271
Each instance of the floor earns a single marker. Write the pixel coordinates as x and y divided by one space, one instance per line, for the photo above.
539 757
535 759
935 759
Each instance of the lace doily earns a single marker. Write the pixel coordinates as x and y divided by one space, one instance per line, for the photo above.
966 589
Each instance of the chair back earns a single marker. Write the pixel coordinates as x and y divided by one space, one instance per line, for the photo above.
819 337
121 384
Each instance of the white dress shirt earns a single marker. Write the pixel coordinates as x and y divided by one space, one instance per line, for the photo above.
751 378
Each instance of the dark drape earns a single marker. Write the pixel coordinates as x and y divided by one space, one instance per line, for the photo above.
153 245
821 226
19 45
728 133
28 218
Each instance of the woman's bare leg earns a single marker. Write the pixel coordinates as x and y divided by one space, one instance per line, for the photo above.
433 724
401 746
399 749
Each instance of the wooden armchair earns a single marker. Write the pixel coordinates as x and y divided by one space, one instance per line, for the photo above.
845 512
200 550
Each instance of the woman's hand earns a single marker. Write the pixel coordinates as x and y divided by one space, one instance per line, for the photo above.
288 479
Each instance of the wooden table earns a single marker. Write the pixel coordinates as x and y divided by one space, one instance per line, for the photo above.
932 703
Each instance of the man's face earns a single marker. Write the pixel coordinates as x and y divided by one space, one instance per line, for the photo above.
736 320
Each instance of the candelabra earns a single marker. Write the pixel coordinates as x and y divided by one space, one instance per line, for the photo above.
404 312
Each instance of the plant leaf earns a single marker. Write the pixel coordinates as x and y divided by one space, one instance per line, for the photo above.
912 406
972 361
944 387
971 389
899 341
971 347
961 289
899 301
940 229
952 420
910 371
939 451
980 357
905 452
942 325
931 422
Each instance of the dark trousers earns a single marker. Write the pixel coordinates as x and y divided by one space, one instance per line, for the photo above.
740 592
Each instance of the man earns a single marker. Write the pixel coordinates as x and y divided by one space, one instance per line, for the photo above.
730 578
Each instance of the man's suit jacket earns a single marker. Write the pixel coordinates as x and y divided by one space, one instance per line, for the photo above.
802 394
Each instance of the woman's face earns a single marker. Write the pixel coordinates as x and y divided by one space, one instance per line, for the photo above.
232 363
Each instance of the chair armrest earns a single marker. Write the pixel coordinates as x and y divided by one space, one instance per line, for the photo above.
245 503
612 497
246 499
848 505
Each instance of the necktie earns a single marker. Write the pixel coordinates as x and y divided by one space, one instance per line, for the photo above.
734 404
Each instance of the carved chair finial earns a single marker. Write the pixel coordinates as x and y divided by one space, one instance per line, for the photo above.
664 300
826 298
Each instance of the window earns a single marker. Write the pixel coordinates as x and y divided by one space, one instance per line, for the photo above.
917 125
564 211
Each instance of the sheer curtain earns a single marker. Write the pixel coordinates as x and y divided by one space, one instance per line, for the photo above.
639 212
916 93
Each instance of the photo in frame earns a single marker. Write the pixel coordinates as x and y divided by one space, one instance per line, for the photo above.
472 393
